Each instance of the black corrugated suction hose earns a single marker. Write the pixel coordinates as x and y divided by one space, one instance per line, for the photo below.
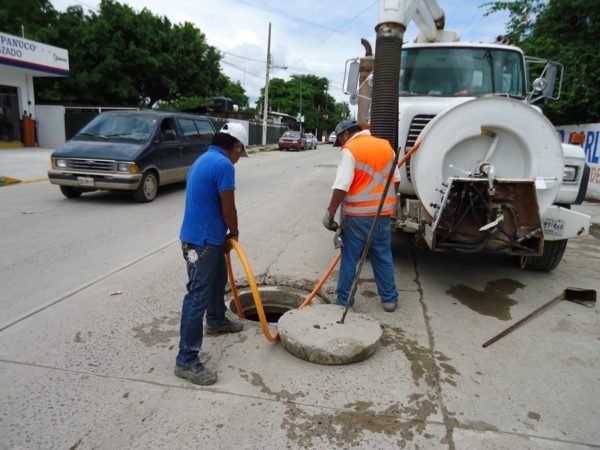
386 80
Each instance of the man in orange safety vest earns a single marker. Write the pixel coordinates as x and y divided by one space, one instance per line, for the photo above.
363 168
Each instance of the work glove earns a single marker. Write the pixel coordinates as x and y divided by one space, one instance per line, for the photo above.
328 221
337 239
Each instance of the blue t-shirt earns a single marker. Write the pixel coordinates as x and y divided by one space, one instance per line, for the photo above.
203 222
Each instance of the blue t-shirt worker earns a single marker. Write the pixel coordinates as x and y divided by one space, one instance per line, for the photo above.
210 219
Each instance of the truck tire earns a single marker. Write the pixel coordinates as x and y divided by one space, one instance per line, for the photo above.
550 258
70 192
148 188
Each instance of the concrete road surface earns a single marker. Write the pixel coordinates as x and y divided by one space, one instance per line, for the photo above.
82 369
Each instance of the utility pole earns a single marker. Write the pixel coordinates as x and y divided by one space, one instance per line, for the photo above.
301 121
266 99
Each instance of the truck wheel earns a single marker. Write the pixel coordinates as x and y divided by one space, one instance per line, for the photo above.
70 192
148 188
550 258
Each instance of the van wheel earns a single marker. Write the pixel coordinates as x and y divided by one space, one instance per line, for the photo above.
148 188
70 192
550 258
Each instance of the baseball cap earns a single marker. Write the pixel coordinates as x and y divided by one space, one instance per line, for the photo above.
238 131
344 125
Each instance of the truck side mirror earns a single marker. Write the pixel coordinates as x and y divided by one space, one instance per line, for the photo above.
549 84
550 75
353 70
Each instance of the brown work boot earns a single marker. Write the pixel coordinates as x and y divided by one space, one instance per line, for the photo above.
197 374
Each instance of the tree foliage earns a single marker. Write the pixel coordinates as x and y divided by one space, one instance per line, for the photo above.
566 31
119 56
122 57
308 95
28 16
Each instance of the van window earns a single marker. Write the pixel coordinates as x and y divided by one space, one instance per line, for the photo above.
189 129
118 127
205 129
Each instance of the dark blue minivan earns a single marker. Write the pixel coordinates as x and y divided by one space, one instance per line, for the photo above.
135 151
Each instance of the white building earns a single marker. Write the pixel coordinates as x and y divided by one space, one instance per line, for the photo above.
20 61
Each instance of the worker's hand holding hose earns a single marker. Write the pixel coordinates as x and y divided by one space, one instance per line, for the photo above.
328 221
227 245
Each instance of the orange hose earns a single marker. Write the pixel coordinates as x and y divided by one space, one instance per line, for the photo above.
322 281
234 291
409 154
257 301
256 295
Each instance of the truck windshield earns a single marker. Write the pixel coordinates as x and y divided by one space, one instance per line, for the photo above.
461 71
118 127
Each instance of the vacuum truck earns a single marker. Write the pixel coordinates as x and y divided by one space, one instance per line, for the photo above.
490 173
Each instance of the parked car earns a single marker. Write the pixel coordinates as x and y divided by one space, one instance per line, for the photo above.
292 140
135 151
311 141
332 137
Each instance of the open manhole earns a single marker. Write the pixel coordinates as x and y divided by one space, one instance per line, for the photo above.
276 301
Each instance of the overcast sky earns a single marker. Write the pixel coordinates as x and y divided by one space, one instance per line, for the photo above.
307 36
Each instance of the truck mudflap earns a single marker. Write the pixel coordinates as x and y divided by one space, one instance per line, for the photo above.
562 223
476 217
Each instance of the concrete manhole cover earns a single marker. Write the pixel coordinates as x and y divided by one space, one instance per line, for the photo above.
314 334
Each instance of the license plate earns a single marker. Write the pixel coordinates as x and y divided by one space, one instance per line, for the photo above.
85 181
554 226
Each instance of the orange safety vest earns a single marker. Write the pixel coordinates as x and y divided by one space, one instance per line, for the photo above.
373 158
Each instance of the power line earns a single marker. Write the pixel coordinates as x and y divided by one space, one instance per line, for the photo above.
245 70
243 57
341 26
283 13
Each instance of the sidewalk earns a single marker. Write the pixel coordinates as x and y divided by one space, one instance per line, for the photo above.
24 165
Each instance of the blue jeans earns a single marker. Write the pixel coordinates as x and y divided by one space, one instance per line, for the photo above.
354 237
207 275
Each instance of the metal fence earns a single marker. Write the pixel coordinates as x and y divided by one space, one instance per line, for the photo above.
274 131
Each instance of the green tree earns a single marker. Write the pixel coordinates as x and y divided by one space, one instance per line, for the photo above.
235 92
120 57
306 94
28 16
566 31
232 90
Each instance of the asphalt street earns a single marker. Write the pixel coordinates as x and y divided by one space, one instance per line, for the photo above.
84 369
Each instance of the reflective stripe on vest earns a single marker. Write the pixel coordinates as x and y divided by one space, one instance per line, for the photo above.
361 200
377 179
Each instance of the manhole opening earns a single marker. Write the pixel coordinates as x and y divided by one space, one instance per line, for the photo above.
276 301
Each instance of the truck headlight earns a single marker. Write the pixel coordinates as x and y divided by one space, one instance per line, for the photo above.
570 173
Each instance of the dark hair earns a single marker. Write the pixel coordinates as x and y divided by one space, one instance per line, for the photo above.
224 141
